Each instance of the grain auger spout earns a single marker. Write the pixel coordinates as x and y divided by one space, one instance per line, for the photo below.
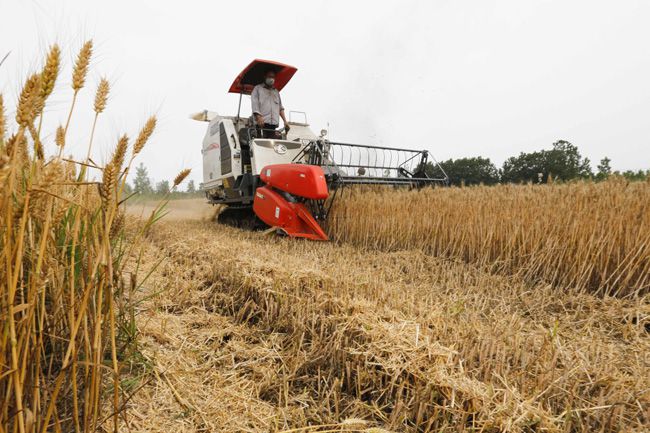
289 179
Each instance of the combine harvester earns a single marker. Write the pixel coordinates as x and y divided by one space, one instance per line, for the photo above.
286 180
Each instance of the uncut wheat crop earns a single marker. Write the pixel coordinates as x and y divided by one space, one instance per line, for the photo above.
585 236
65 339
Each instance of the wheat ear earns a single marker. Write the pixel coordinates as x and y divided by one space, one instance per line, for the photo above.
50 71
59 138
144 135
120 152
49 74
180 177
101 96
28 101
81 66
78 80
107 187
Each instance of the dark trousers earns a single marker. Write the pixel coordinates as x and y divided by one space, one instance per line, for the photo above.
269 131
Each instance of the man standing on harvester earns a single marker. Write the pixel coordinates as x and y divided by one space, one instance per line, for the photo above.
267 106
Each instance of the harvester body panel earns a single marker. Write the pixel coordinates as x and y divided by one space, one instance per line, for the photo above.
220 153
269 152
293 218
300 180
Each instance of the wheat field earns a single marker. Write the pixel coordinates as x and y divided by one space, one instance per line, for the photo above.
585 236
514 308
251 332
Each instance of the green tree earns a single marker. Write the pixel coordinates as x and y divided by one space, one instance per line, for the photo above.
635 175
429 169
162 187
604 169
142 183
471 171
191 189
563 162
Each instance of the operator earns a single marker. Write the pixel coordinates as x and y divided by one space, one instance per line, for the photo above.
267 106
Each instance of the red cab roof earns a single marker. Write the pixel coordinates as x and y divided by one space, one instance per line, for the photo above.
253 74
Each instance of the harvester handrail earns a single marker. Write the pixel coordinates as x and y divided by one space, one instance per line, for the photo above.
257 133
370 146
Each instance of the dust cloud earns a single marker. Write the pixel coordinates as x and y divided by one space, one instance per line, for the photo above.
185 209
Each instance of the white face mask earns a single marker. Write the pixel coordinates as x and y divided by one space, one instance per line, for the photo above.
269 81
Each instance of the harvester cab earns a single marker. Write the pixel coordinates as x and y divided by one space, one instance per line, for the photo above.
284 179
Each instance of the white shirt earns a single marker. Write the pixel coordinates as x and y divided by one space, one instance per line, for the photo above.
267 103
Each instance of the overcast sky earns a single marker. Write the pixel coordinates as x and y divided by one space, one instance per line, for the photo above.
460 78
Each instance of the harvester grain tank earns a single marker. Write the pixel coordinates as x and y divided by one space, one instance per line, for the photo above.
286 180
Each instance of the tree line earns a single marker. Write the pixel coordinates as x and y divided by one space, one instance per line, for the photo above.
144 185
563 162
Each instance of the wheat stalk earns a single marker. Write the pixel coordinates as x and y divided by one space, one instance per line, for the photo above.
38 145
3 121
60 277
101 96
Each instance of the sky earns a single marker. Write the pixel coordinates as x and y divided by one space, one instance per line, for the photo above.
459 78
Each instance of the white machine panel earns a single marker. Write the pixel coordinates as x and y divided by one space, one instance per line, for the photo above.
221 132
269 151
